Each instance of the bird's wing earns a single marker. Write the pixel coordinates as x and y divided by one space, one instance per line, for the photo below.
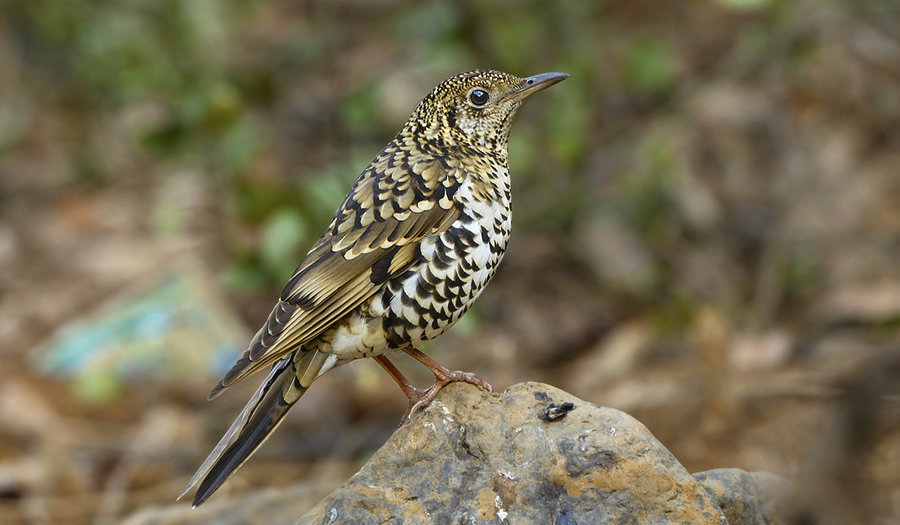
396 201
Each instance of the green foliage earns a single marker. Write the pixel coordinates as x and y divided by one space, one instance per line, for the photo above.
744 5
115 51
431 24
569 129
673 313
281 241
98 388
360 109
649 68
642 197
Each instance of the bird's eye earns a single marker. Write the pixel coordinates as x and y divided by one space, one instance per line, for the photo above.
478 97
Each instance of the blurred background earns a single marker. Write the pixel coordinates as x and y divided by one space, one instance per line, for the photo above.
706 232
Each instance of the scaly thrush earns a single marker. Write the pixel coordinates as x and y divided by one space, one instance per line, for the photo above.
413 244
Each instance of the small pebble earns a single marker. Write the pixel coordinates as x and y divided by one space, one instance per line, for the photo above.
554 411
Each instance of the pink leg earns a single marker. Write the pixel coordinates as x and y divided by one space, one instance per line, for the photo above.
389 367
442 376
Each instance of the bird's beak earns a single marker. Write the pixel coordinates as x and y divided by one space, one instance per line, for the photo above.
534 84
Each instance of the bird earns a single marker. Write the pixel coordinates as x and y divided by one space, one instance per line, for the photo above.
413 244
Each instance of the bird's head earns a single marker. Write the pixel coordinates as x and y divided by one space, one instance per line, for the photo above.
477 108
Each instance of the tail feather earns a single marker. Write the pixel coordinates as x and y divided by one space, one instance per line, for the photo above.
288 379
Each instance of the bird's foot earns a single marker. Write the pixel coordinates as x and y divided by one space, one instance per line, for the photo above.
422 398
442 376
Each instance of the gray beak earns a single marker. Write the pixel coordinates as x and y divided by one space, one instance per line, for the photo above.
534 84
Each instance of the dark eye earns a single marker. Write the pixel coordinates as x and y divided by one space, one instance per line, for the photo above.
479 97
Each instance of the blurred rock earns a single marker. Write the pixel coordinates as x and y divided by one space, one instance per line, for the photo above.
616 254
161 430
862 303
264 507
533 454
614 357
745 497
760 351
851 454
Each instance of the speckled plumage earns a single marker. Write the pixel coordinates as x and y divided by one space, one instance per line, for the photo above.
413 244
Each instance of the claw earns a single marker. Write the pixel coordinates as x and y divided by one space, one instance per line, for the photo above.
422 398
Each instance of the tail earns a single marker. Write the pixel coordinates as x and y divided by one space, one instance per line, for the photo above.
288 379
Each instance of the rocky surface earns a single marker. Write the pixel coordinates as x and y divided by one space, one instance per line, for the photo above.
748 498
532 454
536 454
270 506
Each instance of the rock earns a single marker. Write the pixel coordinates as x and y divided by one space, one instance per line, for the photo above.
745 497
262 507
534 454
531 455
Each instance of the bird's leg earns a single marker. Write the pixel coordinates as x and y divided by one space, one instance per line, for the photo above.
411 392
421 398
415 395
442 376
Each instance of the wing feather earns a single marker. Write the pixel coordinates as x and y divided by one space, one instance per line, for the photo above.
380 217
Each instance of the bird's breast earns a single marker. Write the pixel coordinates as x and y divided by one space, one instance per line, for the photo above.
452 271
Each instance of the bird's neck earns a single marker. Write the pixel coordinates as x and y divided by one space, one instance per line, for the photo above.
451 141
